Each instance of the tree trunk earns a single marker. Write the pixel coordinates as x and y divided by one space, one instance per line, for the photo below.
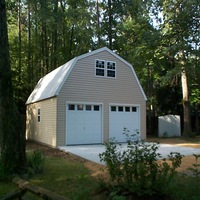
55 38
29 56
98 23
63 37
71 42
11 137
197 120
19 71
45 49
110 23
186 104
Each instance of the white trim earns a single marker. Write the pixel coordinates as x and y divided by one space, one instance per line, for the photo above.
124 104
85 103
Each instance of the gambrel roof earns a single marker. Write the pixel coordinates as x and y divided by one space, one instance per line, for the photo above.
50 85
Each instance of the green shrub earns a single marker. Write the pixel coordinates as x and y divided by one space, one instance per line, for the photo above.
195 169
35 162
137 170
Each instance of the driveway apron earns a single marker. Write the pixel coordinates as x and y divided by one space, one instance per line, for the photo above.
91 152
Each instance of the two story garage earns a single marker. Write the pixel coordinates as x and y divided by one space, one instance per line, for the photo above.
88 100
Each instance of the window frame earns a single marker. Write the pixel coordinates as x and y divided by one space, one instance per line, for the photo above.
100 68
106 69
111 70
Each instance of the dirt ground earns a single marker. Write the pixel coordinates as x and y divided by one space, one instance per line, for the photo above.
187 161
96 169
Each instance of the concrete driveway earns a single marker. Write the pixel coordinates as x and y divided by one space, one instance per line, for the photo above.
91 152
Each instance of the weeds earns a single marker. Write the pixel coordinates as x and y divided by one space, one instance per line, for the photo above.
196 168
35 162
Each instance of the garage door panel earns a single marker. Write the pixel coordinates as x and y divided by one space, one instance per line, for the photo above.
121 118
84 126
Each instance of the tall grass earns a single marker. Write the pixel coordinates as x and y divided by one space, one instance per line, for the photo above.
35 162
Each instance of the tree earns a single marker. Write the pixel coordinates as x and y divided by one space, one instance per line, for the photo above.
137 41
11 137
195 100
43 34
179 25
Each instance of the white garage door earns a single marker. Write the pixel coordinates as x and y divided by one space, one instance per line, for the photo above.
123 117
84 124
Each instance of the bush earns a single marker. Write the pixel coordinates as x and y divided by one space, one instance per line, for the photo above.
35 162
137 170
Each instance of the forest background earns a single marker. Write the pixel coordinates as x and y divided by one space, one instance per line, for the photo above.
160 38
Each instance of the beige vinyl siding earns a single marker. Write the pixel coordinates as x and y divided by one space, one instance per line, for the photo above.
45 130
83 85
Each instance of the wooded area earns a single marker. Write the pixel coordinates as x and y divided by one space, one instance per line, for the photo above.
160 38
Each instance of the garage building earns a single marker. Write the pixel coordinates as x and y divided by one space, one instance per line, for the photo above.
88 100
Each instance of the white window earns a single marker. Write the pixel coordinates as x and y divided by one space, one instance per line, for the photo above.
111 69
105 68
100 68
39 115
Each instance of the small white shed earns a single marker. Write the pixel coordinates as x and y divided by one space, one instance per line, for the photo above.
169 126
88 100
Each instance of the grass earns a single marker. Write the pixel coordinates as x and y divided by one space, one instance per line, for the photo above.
185 187
69 179
66 178
73 180
6 187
